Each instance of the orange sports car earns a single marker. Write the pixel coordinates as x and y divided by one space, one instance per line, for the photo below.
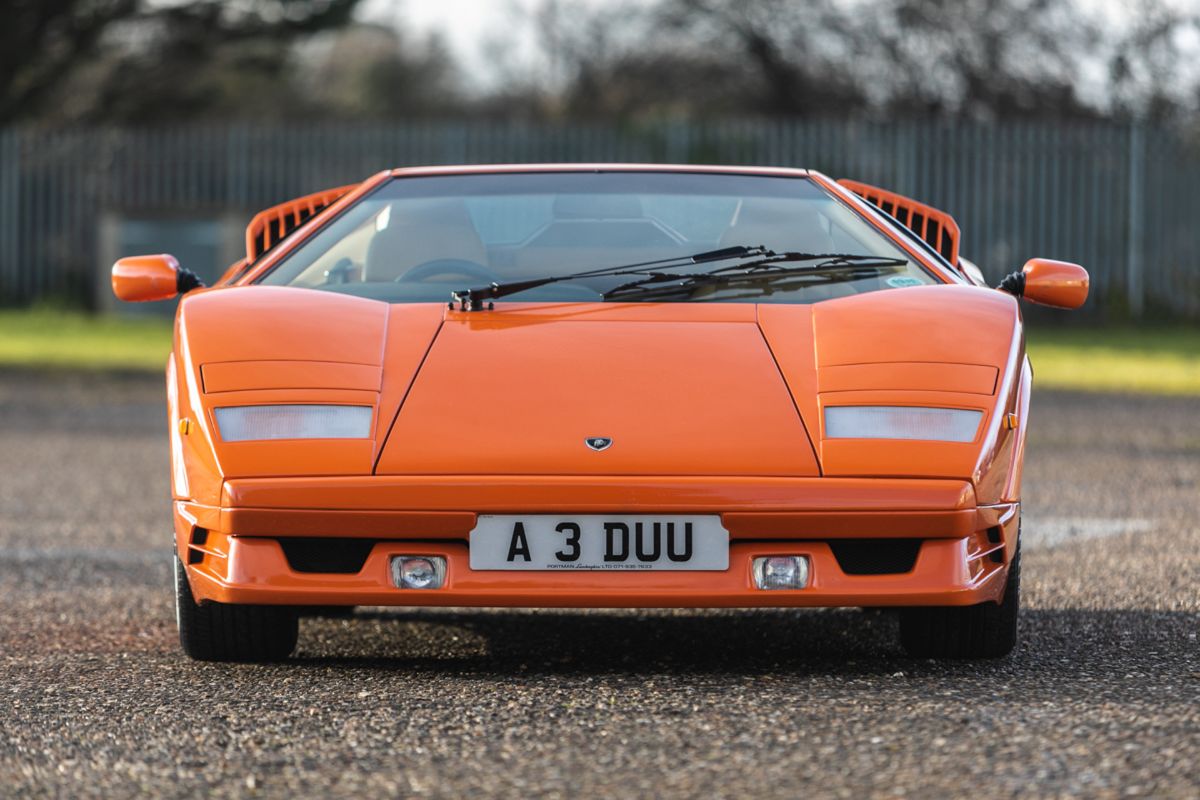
598 386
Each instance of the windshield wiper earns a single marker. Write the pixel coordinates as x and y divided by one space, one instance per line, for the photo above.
473 299
768 269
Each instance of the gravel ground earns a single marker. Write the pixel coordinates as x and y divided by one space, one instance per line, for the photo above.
1102 698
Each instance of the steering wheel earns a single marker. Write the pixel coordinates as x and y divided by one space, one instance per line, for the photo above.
449 266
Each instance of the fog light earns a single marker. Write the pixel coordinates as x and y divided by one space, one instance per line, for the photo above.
781 572
418 572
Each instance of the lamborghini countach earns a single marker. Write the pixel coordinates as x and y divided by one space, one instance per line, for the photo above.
598 386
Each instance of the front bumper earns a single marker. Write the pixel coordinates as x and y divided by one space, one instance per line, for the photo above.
234 555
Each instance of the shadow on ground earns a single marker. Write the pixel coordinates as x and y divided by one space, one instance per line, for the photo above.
723 642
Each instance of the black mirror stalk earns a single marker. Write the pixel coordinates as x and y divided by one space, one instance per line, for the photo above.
186 280
1013 283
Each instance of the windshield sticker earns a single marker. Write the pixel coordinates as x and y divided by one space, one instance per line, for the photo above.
896 281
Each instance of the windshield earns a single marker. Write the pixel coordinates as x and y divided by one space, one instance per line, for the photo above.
416 239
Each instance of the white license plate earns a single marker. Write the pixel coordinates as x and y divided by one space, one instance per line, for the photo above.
599 542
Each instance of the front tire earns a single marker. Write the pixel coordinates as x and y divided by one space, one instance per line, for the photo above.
987 630
225 632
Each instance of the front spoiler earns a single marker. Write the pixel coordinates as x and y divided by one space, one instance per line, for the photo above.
960 561
259 574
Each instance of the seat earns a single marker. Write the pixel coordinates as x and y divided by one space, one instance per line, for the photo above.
592 231
778 225
597 206
416 234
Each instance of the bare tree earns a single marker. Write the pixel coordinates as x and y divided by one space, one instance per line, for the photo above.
794 59
677 58
981 59
1151 73
966 59
140 60
148 60
41 40
375 72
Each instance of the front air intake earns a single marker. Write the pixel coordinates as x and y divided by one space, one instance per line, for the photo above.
876 556
327 555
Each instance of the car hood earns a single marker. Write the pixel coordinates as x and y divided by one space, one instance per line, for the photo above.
671 390
678 389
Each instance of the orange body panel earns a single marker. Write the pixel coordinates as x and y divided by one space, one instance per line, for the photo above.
934 226
234 376
270 225
231 272
546 374
713 409
257 572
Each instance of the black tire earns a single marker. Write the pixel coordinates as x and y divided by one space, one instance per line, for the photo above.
987 630
224 632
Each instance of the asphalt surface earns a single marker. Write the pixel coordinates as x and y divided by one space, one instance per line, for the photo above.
1102 698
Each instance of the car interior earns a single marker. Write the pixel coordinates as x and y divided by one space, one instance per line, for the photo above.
418 250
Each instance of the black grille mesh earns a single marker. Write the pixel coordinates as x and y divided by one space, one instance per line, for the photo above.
875 556
328 555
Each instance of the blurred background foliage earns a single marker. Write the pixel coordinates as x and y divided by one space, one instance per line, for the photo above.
150 61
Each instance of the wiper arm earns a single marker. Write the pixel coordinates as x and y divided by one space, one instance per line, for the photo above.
473 299
765 269
825 260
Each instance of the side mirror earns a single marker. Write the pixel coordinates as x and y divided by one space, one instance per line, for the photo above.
1060 284
139 279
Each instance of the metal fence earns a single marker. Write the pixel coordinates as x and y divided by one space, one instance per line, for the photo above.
1122 200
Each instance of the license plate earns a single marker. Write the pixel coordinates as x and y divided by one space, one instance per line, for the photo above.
599 542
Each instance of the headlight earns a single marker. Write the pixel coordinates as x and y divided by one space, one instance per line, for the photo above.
901 422
249 423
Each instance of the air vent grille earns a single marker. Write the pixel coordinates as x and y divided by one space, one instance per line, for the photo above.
876 556
334 555
270 226
936 227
